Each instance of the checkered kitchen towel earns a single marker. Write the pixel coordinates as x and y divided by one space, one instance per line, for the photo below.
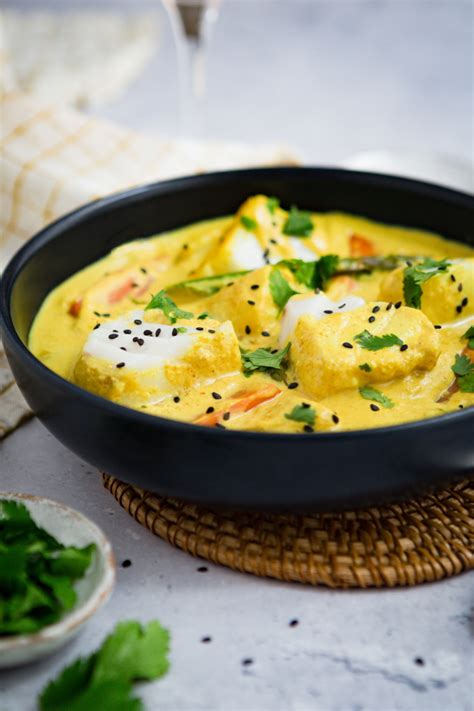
53 159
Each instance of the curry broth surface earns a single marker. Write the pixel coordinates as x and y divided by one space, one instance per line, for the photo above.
58 336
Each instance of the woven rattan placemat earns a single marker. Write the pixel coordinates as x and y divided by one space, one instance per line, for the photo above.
417 541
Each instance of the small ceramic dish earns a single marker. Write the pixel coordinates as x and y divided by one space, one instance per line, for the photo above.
93 590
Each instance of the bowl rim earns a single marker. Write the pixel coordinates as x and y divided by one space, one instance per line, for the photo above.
73 620
53 230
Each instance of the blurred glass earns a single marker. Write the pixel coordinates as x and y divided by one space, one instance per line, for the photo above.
191 22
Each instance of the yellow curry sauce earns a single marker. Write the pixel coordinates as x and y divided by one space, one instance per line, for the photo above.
287 339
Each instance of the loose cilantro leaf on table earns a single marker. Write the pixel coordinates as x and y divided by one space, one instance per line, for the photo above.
463 369
37 573
249 223
272 204
376 343
314 275
264 360
302 413
416 275
162 301
298 224
103 681
280 290
369 393
470 337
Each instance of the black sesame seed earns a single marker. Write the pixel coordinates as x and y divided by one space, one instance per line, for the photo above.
216 396
275 350
265 333
389 306
143 270
375 309
209 410
404 347
255 286
251 303
375 408
247 662
140 341
112 336
231 283
120 365
461 407
199 328
138 322
202 569
308 428
292 386
398 304
176 398
453 278
96 326
174 332
458 309
122 348
437 325
293 623
341 306
135 339
126 563
266 253
460 287
419 662
205 640
127 331
218 424
247 330
305 405
185 246
211 330
148 332
157 332
335 419
346 344
273 241
328 311
465 301
371 319
226 416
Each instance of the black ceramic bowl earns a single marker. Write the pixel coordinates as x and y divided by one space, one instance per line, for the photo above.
244 469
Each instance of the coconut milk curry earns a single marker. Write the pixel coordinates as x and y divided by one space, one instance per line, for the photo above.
271 320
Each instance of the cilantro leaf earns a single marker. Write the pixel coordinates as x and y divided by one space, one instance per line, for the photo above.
416 275
463 369
204 315
314 275
272 204
280 290
264 360
162 301
298 224
249 223
470 336
369 393
376 343
103 681
302 413
207 285
365 367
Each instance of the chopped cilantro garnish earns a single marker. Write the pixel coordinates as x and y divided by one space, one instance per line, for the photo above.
376 343
470 337
204 315
302 413
463 369
264 360
181 329
104 679
272 204
314 275
280 290
369 393
298 224
207 285
365 367
37 573
416 275
248 222
167 305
